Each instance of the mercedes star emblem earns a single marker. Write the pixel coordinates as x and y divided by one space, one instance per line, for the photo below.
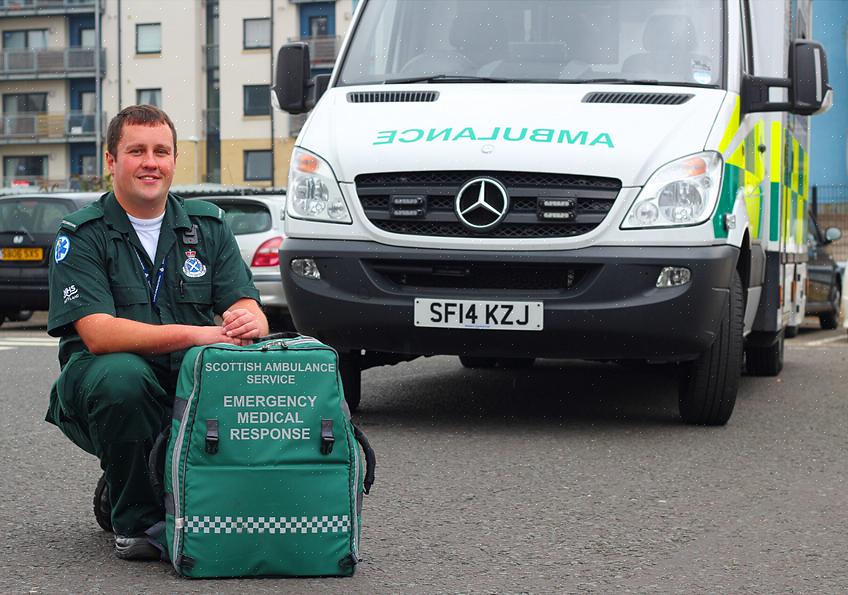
482 203
18 240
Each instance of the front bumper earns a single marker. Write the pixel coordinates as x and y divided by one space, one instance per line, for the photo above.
614 310
24 288
270 287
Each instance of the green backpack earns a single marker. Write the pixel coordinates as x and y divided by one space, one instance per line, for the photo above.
263 473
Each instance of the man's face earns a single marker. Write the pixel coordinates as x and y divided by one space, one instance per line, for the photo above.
143 168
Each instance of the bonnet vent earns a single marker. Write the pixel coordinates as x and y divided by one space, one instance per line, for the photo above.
639 98
392 96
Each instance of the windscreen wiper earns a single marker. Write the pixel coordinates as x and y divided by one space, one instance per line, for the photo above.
448 78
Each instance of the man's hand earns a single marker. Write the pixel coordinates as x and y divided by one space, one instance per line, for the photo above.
207 335
240 323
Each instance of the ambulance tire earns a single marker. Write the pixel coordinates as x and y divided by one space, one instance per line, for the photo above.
765 361
350 370
474 362
708 385
102 505
830 320
791 331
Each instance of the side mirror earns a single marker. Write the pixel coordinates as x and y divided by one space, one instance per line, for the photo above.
832 234
810 91
293 78
807 86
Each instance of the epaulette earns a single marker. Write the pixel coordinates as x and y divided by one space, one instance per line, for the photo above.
77 219
201 208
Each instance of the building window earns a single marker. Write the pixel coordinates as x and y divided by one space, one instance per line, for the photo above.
257 166
87 39
148 38
24 103
257 33
24 171
31 39
257 100
149 97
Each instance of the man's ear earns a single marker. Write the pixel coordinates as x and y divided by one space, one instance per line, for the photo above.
110 162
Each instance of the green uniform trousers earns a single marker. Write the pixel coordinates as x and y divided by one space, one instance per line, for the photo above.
113 406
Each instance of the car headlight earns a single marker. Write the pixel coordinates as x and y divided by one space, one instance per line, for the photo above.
313 191
683 192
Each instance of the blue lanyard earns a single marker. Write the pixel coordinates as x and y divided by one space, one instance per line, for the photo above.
160 275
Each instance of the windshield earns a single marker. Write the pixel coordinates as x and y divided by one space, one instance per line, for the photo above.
663 41
32 216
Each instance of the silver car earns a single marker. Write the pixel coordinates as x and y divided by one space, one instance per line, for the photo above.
257 222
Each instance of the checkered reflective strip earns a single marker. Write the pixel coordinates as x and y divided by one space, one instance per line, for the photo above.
262 524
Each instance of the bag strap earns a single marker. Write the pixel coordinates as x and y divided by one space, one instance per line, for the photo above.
156 463
370 459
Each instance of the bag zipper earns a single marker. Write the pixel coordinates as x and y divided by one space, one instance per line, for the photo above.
179 522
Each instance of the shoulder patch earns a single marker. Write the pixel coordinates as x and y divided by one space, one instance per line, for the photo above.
77 219
202 208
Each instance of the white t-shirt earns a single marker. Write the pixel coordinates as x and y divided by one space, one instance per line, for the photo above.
147 231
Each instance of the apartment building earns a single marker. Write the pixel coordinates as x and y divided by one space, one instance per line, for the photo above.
68 66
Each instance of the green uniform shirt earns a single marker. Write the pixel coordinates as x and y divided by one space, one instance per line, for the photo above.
98 265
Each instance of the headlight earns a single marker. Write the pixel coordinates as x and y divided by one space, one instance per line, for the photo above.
313 191
683 192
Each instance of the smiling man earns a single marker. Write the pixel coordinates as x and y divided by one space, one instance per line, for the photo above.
137 278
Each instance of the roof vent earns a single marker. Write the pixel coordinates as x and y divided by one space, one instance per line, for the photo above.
639 98
392 96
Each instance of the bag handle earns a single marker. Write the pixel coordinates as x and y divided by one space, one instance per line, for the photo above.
370 459
156 463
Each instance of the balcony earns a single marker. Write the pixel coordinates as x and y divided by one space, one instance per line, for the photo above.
212 121
76 183
322 50
26 8
50 64
210 57
48 128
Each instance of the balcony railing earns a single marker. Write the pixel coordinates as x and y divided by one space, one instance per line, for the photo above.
212 121
210 56
322 50
58 63
19 184
33 7
47 127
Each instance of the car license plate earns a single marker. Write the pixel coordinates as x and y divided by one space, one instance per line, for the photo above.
476 314
21 253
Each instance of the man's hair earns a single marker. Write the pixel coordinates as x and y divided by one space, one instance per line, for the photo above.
135 115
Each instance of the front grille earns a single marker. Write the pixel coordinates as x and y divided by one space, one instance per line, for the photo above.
590 199
638 98
416 275
392 96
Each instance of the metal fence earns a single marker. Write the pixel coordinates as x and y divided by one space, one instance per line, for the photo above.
24 184
42 127
830 206
58 62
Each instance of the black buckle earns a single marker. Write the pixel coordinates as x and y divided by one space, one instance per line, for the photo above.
211 436
190 237
327 438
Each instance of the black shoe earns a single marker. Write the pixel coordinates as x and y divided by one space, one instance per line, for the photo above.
102 505
135 548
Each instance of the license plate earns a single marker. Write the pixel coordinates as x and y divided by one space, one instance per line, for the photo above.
476 314
21 253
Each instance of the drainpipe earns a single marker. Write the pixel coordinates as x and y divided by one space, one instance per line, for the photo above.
120 61
271 50
98 94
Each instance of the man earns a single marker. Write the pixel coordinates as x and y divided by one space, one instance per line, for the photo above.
136 279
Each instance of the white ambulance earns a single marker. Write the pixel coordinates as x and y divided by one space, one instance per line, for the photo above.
515 179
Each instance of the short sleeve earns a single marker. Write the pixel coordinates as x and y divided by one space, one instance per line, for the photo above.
231 277
78 281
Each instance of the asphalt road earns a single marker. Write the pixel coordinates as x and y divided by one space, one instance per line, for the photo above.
572 477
